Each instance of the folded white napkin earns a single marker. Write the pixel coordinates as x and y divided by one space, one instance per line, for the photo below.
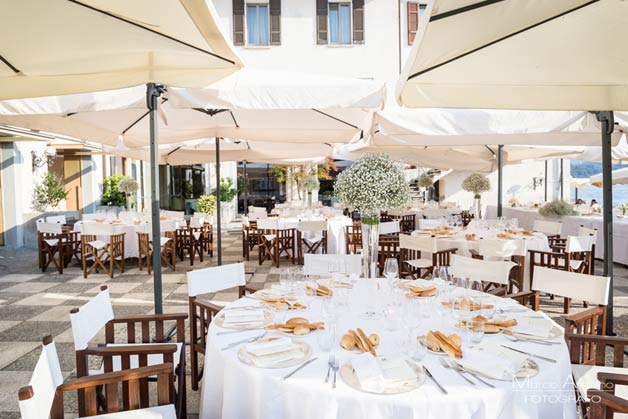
492 360
274 351
243 316
533 326
379 374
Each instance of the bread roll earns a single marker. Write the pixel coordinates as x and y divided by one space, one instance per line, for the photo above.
347 342
301 330
297 320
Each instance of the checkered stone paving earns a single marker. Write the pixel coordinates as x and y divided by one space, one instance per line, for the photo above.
34 304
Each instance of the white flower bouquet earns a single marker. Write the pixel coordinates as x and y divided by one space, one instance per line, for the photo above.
310 183
477 184
372 183
128 185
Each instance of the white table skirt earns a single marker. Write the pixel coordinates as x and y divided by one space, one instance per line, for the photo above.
526 217
230 389
130 233
336 243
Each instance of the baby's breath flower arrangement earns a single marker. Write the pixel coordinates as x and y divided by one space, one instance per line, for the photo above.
310 183
372 183
557 208
477 184
128 186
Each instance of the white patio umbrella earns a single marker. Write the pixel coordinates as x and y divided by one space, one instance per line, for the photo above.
265 106
619 176
59 47
548 55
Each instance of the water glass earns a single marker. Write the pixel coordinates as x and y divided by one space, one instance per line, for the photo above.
461 308
284 278
419 352
475 330
475 286
326 338
391 270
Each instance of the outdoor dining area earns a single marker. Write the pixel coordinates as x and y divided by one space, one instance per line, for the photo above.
388 303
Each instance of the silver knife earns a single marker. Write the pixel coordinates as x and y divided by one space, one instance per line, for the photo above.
247 340
429 374
529 354
303 365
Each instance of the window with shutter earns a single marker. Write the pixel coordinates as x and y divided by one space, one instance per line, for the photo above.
413 20
275 22
358 21
321 21
238 22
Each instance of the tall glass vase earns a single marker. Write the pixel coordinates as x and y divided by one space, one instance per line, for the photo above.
477 207
309 200
370 243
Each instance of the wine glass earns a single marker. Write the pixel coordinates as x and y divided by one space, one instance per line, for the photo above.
284 278
391 271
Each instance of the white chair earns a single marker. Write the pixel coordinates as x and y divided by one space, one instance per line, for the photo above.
549 228
88 320
205 281
419 253
323 265
106 255
313 236
497 248
255 216
485 271
56 219
256 210
43 397
389 227
584 231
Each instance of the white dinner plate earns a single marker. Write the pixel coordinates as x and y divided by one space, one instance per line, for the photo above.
268 319
348 376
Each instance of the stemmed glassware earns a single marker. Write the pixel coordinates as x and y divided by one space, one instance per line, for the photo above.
391 272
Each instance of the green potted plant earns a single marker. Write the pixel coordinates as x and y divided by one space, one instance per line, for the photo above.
478 184
111 194
49 193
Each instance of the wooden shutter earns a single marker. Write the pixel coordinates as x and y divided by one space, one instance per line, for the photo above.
274 7
238 22
321 21
358 21
413 20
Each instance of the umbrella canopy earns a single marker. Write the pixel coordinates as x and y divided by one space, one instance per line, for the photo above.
204 151
58 47
548 55
477 127
307 109
579 183
620 177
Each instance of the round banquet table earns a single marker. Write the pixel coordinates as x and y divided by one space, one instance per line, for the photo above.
335 230
523 244
231 389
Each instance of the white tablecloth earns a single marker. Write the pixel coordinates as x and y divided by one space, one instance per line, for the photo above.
231 389
524 243
336 243
130 233
526 217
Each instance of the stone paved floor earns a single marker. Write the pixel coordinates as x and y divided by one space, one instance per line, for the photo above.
34 304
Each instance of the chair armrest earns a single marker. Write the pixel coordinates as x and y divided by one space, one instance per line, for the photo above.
116 377
215 308
244 289
150 317
617 404
577 317
609 377
603 339
522 294
544 252
137 349
450 250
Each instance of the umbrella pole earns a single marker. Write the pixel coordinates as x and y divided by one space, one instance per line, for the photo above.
218 222
246 192
500 178
607 120
153 91
545 199
562 186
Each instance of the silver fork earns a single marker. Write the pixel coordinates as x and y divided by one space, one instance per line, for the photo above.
249 340
336 367
446 364
458 367
514 338
330 364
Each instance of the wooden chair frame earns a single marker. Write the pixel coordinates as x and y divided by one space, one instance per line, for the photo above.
282 243
52 253
187 243
250 239
168 251
111 254
439 258
310 247
353 238
150 323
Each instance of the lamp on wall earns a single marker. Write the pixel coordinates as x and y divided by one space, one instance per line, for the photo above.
537 182
45 158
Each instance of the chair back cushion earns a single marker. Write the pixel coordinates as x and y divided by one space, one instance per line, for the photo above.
584 231
56 219
579 244
97 229
496 271
389 227
497 248
44 382
267 224
51 228
90 319
313 226
219 278
421 243
591 288
550 228
321 264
